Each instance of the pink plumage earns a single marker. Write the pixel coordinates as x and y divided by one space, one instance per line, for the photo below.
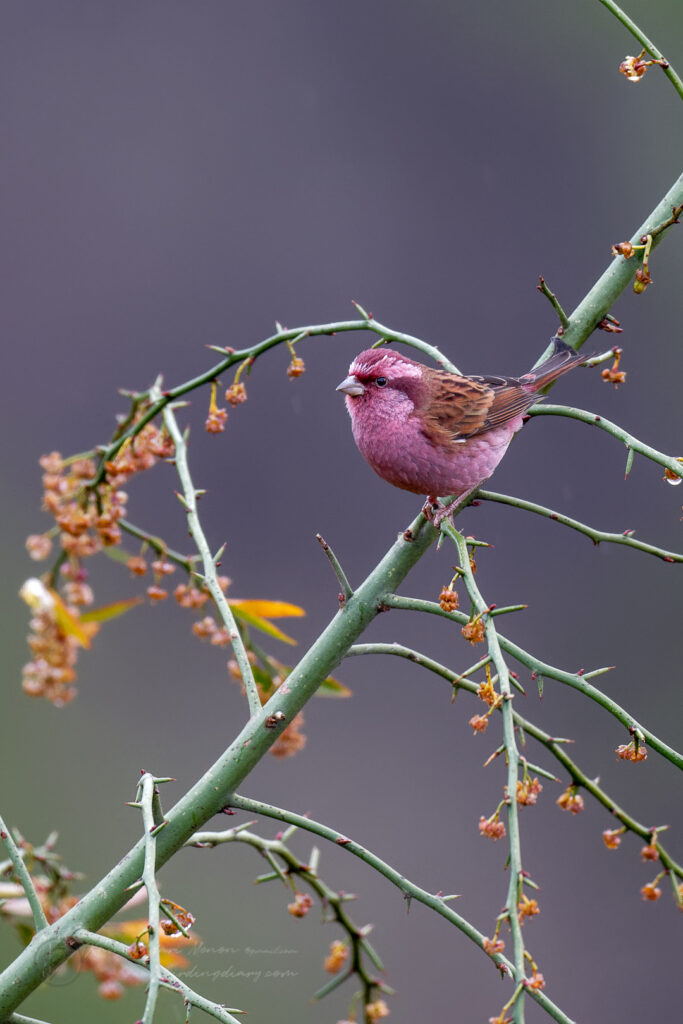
437 433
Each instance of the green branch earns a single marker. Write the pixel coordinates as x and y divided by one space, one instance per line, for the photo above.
597 536
670 462
542 669
612 282
272 849
553 745
481 608
157 544
645 42
407 888
210 577
22 873
591 786
211 792
167 979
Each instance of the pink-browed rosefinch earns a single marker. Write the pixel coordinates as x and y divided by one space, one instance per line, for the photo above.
433 432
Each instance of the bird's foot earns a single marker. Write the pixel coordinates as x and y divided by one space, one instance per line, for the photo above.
435 511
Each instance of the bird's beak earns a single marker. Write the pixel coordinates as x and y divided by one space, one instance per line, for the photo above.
351 386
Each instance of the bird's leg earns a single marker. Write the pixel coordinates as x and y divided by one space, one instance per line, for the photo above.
435 511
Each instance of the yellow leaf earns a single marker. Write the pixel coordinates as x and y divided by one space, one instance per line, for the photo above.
268 609
110 611
331 687
244 615
70 624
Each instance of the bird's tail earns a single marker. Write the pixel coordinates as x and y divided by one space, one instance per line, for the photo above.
563 358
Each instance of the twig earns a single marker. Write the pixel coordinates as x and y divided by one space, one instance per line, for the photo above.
554 746
591 786
481 607
541 668
346 588
668 461
308 873
22 872
166 978
646 43
209 562
437 903
552 298
145 798
21 1018
597 536
157 544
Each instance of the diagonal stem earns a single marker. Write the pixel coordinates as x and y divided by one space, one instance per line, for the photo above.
209 562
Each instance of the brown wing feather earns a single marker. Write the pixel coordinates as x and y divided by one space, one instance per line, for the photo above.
457 407
510 398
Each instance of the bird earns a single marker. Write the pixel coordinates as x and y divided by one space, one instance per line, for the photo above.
437 433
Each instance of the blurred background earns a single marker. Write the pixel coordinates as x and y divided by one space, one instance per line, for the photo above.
177 175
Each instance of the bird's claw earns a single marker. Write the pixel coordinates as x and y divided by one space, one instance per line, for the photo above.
435 512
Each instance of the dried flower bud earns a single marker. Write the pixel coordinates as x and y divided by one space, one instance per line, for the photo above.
204 627
570 800
136 565
612 838
163 568
474 631
38 546
651 892
296 367
137 950
487 693
157 593
492 946
376 1010
301 905
527 792
650 851
633 68
51 463
190 597
629 751
492 828
614 375
448 599
624 249
479 723
236 393
215 421
337 957
643 279
77 593
527 908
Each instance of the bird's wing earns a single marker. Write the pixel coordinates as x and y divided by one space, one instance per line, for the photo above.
455 407
510 398
461 407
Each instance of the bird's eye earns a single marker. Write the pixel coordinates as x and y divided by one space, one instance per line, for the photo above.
381 382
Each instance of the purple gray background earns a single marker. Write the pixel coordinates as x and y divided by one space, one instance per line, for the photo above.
180 174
